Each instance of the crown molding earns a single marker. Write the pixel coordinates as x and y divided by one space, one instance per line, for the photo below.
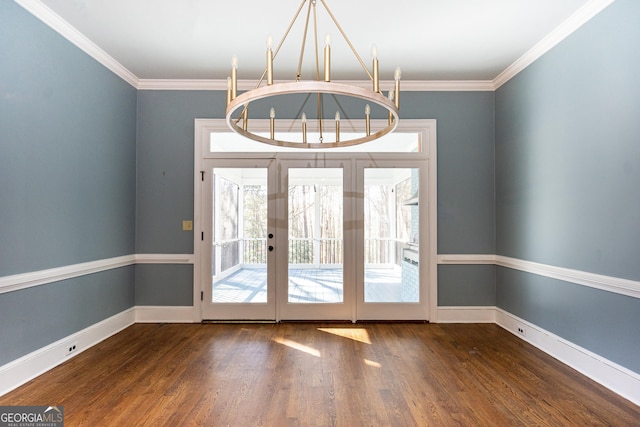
571 24
66 30
57 23
407 85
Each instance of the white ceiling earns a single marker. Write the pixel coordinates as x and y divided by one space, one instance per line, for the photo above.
428 39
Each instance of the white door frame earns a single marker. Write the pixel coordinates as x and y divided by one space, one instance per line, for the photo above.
236 311
344 310
390 310
425 128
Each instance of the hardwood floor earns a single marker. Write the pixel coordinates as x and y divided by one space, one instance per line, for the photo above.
303 374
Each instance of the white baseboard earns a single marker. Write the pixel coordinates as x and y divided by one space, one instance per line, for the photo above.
26 368
472 314
20 371
617 378
165 314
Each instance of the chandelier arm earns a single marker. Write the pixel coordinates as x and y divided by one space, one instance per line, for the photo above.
315 39
277 49
364 67
304 41
286 33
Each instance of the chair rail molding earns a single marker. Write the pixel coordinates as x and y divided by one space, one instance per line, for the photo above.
16 282
617 285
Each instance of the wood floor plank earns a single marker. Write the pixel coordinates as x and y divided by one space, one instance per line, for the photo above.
321 375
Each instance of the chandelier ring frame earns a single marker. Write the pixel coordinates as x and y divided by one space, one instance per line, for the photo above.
242 102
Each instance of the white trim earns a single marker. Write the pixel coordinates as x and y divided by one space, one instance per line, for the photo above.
164 258
29 366
616 285
606 283
428 129
69 32
407 85
41 277
472 314
166 314
617 378
466 259
571 24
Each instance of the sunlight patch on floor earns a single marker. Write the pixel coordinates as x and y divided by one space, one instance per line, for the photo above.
297 346
356 334
372 363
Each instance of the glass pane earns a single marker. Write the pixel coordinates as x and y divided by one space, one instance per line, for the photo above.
395 142
315 236
391 235
239 253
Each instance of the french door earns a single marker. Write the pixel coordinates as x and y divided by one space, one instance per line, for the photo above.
315 260
239 238
316 238
391 280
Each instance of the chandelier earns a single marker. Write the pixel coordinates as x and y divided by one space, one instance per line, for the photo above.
266 91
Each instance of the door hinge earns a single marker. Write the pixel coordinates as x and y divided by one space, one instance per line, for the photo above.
201 295
202 236
202 175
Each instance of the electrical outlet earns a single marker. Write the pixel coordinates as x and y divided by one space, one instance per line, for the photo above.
521 331
72 348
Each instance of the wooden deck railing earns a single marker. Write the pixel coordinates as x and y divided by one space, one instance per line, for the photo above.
302 252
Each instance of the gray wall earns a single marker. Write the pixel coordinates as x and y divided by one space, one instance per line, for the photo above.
568 180
67 182
466 209
165 188
465 186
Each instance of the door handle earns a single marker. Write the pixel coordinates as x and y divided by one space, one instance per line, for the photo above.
270 248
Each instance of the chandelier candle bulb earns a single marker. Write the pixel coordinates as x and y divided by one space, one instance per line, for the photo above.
367 117
396 75
228 90
234 78
376 77
337 126
327 59
272 122
269 61
304 128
